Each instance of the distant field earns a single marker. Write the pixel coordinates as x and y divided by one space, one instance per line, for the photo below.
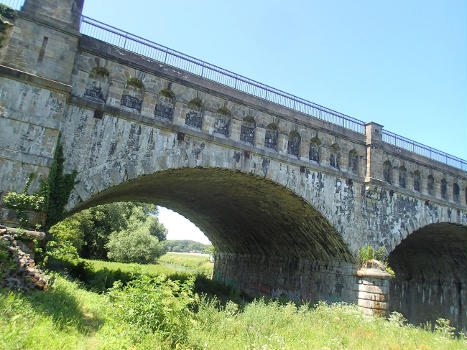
169 264
193 261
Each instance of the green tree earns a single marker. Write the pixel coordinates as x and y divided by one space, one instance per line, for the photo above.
134 244
96 225
68 230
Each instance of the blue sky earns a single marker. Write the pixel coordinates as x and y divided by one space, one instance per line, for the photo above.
402 64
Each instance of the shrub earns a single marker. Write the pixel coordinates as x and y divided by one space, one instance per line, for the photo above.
68 230
365 254
156 304
134 245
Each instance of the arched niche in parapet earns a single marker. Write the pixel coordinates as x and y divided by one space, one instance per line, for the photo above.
293 144
97 85
247 131
353 161
455 192
271 136
194 113
416 181
402 177
387 171
165 105
430 185
133 93
315 150
335 156
222 122
444 189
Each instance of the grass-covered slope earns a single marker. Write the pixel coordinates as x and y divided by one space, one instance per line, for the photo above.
153 313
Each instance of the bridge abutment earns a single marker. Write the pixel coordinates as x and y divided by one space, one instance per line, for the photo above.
298 279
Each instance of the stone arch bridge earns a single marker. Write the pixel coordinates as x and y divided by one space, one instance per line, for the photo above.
286 190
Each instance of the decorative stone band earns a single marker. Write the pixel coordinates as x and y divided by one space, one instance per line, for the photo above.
373 291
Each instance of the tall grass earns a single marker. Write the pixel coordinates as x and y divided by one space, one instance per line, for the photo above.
69 317
198 263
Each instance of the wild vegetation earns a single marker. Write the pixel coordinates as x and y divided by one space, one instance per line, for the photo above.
98 304
152 311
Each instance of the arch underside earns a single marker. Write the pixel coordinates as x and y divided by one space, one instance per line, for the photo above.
434 250
431 275
240 213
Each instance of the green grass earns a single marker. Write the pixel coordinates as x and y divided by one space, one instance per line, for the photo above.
70 316
198 263
168 264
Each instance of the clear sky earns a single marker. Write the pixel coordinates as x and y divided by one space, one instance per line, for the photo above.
402 64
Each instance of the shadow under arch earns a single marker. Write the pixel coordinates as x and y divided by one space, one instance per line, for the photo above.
270 241
240 213
431 274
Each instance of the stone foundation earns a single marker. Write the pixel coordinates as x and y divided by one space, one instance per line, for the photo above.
299 279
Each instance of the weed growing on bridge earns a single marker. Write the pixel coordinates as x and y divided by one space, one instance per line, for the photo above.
366 254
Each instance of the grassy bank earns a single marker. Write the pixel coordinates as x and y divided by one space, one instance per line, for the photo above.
69 317
151 312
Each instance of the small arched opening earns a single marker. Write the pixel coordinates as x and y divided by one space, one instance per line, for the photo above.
194 114
353 161
133 93
387 171
271 136
293 144
165 105
335 156
315 149
247 131
402 177
416 180
97 86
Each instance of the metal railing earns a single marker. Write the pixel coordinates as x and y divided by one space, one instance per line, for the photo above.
161 53
151 49
426 151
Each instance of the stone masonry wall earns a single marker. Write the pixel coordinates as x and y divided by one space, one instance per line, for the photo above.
134 154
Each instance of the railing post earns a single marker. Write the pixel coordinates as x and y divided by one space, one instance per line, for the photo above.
165 58
124 42
374 154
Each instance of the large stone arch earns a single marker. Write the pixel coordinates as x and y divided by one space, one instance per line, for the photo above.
273 221
240 213
430 266
392 216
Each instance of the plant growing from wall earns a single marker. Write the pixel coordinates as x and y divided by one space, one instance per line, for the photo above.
224 111
135 82
51 198
167 93
103 72
195 102
23 203
59 187
7 15
365 254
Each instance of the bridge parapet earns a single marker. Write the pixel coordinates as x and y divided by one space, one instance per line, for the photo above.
320 144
